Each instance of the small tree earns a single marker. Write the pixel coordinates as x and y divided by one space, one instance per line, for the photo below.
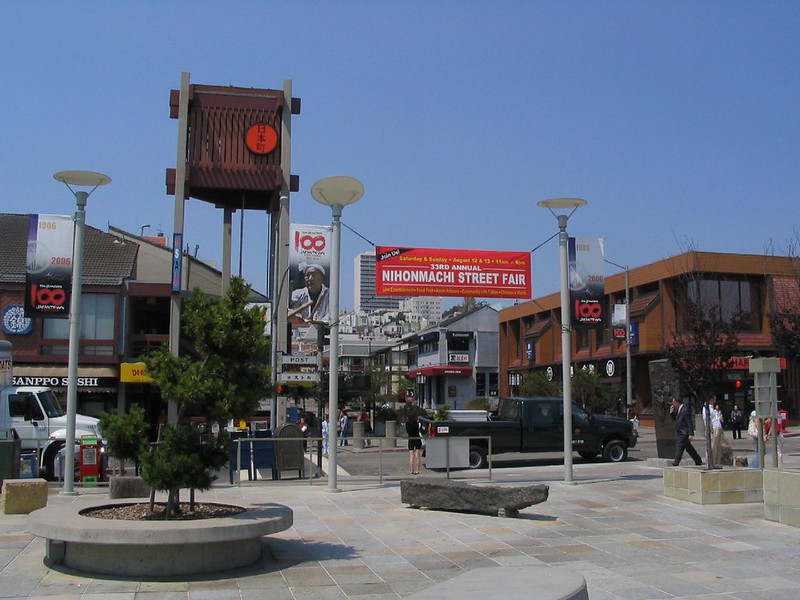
536 384
126 435
586 390
223 379
700 351
785 319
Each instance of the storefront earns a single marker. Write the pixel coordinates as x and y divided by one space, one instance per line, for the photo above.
97 386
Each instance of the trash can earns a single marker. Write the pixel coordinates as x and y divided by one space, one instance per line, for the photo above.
9 459
289 450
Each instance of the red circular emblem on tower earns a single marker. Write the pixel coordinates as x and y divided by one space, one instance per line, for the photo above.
261 138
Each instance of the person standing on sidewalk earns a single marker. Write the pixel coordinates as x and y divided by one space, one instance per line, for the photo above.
325 441
414 445
684 429
712 420
343 418
737 416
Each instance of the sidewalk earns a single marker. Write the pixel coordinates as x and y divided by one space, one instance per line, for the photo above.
613 526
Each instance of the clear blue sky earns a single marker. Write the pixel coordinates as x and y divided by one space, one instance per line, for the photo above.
677 121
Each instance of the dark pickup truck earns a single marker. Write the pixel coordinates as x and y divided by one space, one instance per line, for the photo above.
536 424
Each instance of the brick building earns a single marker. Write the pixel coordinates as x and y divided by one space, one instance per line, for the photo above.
530 332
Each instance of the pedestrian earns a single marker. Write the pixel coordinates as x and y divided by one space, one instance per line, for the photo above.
752 432
363 417
343 418
712 419
414 445
736 418
304 430
777 431
325 440
633 419
684 430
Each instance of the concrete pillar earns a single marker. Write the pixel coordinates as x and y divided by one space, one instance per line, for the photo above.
358 434
391 434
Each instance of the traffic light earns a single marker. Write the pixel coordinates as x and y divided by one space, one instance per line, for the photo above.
323 336
281 389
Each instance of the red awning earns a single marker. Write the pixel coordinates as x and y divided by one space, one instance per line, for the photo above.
440 370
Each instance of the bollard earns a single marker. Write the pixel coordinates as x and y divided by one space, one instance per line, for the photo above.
391 434
358 434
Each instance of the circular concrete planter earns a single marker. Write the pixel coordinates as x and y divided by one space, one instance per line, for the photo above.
154 548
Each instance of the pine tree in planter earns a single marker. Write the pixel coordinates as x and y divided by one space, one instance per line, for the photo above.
126 435
224 378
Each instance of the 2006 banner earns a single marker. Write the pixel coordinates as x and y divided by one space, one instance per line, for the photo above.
48 272
401 271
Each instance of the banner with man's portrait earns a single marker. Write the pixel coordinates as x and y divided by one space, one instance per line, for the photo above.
309 274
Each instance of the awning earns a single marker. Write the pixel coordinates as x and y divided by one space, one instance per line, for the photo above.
440 370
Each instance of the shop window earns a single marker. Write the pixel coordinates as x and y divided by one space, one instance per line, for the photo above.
97 320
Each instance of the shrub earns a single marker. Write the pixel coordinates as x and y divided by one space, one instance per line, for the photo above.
479 403
385 412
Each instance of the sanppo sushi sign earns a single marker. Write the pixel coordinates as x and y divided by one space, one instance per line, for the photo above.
403 271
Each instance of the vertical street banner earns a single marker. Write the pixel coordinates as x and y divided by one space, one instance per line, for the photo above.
309 274
587 282
48 268
401 271
619 321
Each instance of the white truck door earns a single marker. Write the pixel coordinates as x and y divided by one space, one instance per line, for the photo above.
28 418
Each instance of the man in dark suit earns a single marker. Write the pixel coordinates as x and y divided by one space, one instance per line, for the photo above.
684 429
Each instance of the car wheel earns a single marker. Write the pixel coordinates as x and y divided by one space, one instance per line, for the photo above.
615 451
587 455
477 457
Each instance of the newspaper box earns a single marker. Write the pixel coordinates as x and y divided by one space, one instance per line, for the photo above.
89 460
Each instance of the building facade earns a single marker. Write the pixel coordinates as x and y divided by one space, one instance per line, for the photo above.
125 312
457 360
530 332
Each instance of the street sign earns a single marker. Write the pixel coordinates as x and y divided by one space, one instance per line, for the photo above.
297 359
294 377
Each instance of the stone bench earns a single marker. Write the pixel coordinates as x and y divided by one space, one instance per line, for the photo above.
446 494
23 496
154 548
531 581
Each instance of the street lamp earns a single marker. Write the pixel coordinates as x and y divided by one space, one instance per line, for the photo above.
77 179
629 375
336 192
564 204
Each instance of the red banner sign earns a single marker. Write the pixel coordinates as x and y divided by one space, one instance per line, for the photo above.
443 272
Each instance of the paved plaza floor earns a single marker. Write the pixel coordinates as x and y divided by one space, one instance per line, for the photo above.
613 525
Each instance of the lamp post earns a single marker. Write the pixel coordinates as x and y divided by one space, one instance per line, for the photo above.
336 192
77 179
629 374
564 204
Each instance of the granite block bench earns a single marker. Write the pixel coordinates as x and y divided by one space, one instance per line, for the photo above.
446 494
23 496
